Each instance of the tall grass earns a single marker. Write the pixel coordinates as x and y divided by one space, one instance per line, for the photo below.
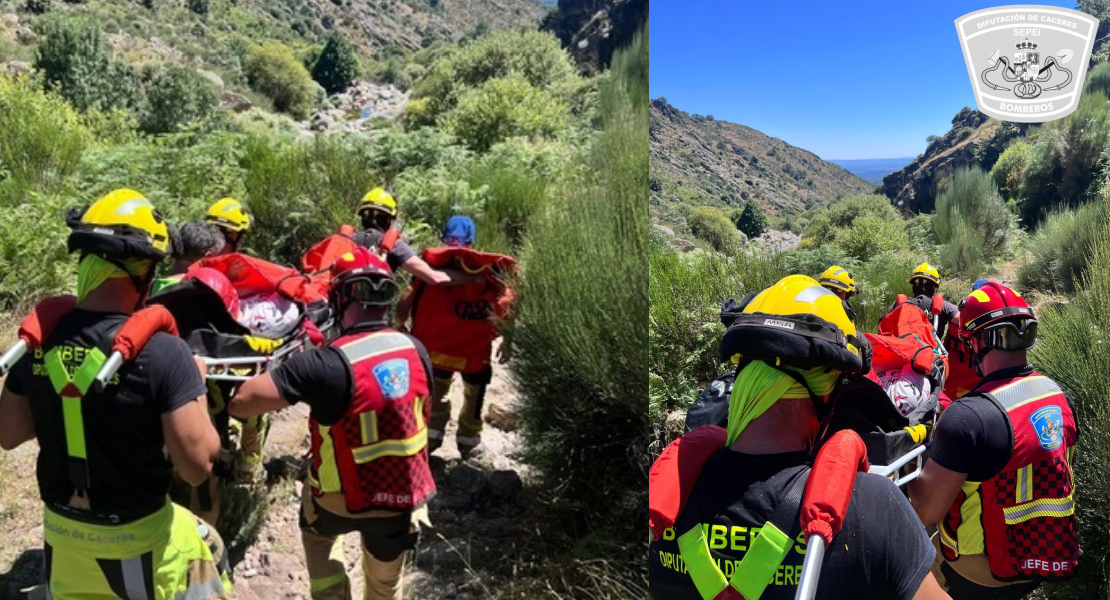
1061 247
580 335
1073 348
41 137
972 222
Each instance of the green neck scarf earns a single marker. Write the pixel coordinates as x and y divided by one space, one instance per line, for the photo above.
759 385
94 270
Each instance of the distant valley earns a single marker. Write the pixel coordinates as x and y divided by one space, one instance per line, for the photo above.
872 170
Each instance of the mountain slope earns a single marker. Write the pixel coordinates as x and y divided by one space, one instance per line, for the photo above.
699 161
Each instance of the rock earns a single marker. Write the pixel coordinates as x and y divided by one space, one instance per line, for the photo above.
16 68
25 34
682 245
675 424
505 484
667 231
467 479
501 418
235 102
10 20
214 78
322 122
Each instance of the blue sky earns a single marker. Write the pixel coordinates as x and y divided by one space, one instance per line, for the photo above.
844 80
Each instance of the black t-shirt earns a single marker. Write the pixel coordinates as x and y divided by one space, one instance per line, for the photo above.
398 255
128 468
881 552
322 377
974 436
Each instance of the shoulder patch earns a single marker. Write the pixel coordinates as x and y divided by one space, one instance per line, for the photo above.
393 377
1048 422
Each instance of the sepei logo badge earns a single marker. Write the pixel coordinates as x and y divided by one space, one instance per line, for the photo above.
1048 422
1027 63
393 377
776 323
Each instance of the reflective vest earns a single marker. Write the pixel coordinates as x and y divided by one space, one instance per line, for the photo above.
456 323
1023 519
376 455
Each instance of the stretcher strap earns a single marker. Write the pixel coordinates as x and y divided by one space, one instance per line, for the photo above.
72 389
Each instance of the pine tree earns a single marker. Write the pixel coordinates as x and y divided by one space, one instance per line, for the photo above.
338 65
752 221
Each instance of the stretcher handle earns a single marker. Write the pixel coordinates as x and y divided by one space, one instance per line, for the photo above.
811 568
106 372
12 356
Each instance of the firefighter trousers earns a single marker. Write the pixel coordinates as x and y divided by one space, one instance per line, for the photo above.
469 434
386 539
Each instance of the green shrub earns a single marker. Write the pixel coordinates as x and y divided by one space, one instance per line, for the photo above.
1071 349
176 97
1061 247
972 222
823 223
535 56
711 225
870 235
74 60
752 222
502 108
338 66
580 365
43 136
878 282
1098 80
1007 171
33 258
273 70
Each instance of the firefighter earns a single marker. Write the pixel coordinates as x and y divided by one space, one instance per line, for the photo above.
106 459
367 391
377 212
796 344
839 281
925 279
456 325
999 479
233 220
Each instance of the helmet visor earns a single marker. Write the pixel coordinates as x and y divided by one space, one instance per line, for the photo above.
1009 335
368 290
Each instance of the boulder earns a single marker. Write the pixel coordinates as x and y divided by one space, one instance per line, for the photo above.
505 484
467 480
16 68
666 230
235 102
9 20
501 418
682 245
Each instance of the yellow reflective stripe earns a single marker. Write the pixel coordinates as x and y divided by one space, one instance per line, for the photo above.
703 570
75 427
406 447
970 531
947 539
368 422
1044 507
329 471
323 583
1024 391
1024 486
375 344
419 412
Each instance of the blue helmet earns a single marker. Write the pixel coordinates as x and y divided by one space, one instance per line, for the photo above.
459 231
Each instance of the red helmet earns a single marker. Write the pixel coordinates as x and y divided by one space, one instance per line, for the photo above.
1000 317
219 283
362 276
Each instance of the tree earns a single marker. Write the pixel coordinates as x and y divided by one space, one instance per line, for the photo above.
338 65
711 225
176 96
752 221
272 69
74 60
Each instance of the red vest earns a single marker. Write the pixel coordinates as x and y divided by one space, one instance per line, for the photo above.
1023 519
456 323
376 455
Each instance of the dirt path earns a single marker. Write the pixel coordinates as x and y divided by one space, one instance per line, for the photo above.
472 515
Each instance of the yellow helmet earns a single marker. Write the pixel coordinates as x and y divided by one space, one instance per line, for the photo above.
927 272
229 214
378 199
799 323
838 278
123 224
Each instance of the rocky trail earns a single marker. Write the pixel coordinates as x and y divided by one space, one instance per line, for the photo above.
475 525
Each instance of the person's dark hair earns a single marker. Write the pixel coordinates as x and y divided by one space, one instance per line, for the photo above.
176 245
199 239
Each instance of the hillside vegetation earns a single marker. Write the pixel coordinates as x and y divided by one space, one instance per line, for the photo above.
1024 206
699 161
